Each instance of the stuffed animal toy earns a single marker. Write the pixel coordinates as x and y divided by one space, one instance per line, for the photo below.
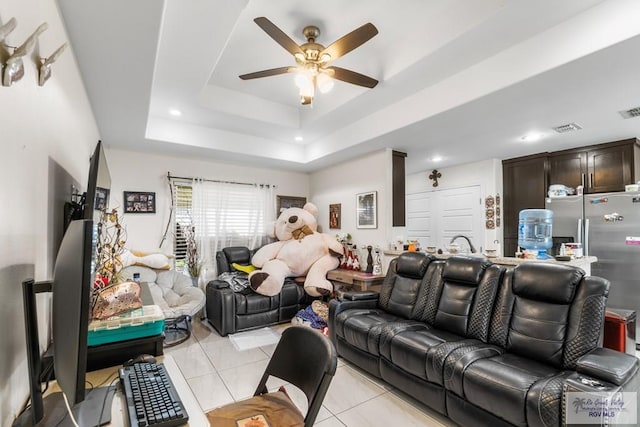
299 251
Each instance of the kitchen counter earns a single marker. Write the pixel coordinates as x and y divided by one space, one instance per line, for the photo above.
583 263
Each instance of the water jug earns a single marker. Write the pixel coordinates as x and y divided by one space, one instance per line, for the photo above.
534 229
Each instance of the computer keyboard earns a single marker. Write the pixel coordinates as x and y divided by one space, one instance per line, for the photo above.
152 400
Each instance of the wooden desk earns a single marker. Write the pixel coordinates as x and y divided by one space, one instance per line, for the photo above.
355 279
119 416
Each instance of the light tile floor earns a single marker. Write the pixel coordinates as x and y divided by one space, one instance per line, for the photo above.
218 374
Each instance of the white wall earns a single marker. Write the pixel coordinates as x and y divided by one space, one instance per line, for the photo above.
133 171
341 183
487 174
47 135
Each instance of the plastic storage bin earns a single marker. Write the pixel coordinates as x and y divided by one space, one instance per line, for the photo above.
142 322
535 229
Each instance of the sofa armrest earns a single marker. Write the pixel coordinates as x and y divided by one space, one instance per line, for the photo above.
338 306
359 296
220 307
218 284
608 365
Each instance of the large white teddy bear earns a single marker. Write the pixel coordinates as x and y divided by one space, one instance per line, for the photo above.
299 251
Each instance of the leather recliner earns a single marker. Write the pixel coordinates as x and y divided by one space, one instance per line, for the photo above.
481 344
230 312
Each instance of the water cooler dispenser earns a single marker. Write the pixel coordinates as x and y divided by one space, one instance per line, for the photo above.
535 231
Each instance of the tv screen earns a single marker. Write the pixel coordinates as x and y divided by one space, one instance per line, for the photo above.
71 286
98 185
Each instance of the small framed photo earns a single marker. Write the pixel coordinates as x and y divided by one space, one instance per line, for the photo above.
334 215
286 202
139 202
367 210
102 198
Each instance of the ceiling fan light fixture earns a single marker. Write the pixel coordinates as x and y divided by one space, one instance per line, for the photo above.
303 80
312 71
324 82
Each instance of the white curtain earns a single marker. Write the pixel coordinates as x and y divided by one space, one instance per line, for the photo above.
227 214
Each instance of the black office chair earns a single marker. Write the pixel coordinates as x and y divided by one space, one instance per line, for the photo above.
303 357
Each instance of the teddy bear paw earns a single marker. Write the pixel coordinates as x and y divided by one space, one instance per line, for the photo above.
322 291
257 279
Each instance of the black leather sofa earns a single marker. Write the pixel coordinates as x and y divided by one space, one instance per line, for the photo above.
230 312
480 344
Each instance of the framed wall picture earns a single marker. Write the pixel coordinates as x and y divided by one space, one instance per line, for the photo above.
334 215
367 210
285 202
139 202
102 198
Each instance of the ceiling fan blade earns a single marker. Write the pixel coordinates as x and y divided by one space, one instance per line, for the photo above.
267 73
278 35
347 43
352 77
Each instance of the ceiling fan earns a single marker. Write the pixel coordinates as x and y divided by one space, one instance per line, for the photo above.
313 59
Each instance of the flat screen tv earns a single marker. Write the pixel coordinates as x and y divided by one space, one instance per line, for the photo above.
71 286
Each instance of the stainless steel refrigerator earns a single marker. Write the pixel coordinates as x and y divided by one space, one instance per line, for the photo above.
608 226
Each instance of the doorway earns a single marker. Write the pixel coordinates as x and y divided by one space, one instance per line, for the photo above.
434 217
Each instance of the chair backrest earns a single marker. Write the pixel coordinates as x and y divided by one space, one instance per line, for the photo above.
550 313
405 277
464 296
307 359
227 256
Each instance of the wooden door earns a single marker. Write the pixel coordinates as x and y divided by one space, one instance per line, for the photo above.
609 169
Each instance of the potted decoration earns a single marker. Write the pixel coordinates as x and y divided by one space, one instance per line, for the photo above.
193 262
111 238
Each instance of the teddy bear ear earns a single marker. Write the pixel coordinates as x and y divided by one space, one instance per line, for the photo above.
310 207
271 229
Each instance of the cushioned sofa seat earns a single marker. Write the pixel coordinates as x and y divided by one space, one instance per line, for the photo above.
545 308
484 345
230 312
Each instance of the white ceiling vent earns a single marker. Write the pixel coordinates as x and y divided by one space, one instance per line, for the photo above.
569 127
631 113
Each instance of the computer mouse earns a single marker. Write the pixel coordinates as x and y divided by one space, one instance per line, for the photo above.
143 358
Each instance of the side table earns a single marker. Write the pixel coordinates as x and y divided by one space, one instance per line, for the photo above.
357 280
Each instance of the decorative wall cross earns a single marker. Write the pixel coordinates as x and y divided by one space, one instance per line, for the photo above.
434 176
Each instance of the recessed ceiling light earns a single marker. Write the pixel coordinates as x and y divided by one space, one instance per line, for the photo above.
436 159
532 137
299 138
175 112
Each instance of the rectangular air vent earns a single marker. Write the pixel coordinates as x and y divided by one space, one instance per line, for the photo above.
631 113
569 127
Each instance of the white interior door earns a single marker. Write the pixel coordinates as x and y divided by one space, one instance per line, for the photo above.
420 217
434 217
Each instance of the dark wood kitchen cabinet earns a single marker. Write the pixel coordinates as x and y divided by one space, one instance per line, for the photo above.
599 168
524 184
612 167
567 168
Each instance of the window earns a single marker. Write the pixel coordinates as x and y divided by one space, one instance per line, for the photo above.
222 214
182 204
